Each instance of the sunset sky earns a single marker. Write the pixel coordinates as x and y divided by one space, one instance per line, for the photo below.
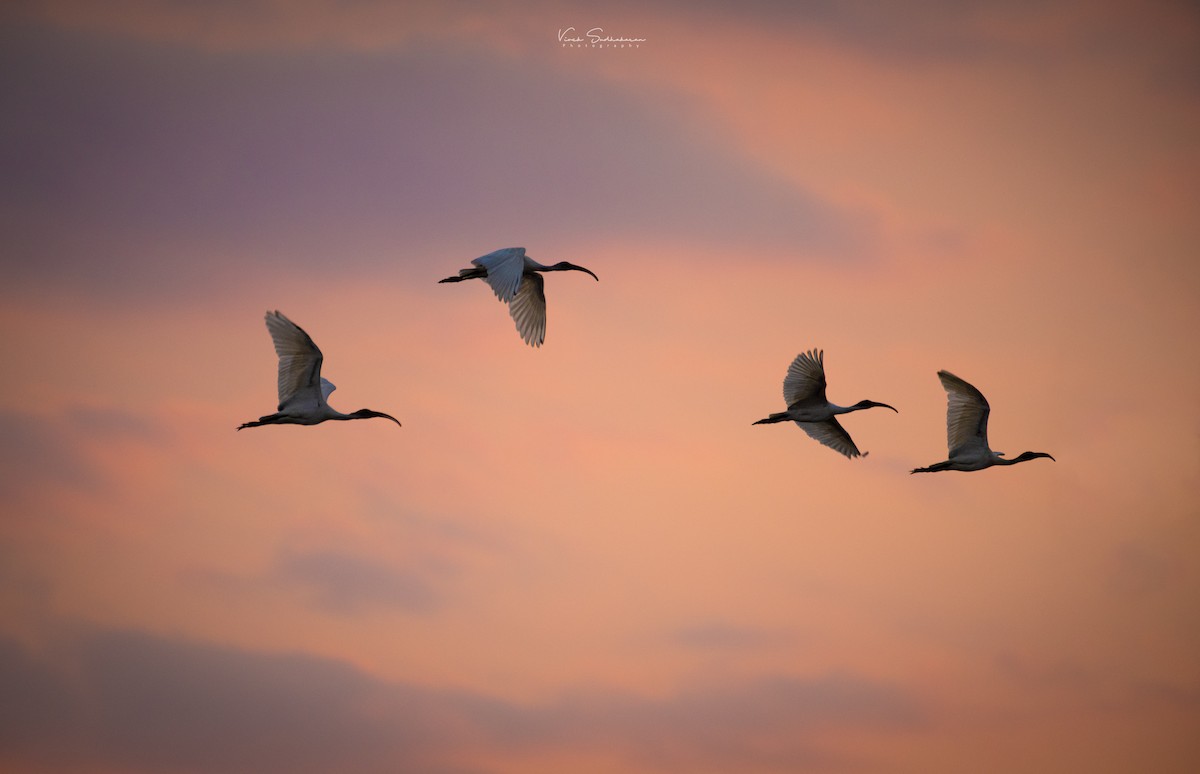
583 558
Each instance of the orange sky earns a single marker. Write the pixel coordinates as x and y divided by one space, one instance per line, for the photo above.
583 557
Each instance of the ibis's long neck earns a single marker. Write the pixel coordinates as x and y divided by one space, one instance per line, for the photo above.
330 413
334 415
862 404
560 266
1022 457
364 414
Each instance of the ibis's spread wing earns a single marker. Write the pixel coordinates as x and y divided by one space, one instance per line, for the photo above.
805 378
831 433
504 270
299 362
528 310
966 414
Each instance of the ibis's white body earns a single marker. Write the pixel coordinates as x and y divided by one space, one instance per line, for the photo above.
309 409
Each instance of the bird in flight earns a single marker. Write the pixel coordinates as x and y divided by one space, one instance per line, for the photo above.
804 394
302 391
514 278
966 430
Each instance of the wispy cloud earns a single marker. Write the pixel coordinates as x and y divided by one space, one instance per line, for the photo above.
717 635
108 423
345 584
36 452
131 700
57 449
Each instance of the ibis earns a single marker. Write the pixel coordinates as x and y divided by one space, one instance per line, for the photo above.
966 430
303 392
514 278
804 393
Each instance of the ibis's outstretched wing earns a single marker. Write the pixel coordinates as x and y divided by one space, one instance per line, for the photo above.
831 433
504 270
528 309
966 416
805 379
300 382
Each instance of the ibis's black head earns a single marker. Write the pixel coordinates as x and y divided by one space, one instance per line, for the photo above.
866 404
368 414
565 266
1031 455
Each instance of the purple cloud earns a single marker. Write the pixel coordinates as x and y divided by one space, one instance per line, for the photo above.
343 583
133 167
36 452
142 703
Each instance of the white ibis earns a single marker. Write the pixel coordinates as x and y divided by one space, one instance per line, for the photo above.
302 391
966 430
513 277
804 393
